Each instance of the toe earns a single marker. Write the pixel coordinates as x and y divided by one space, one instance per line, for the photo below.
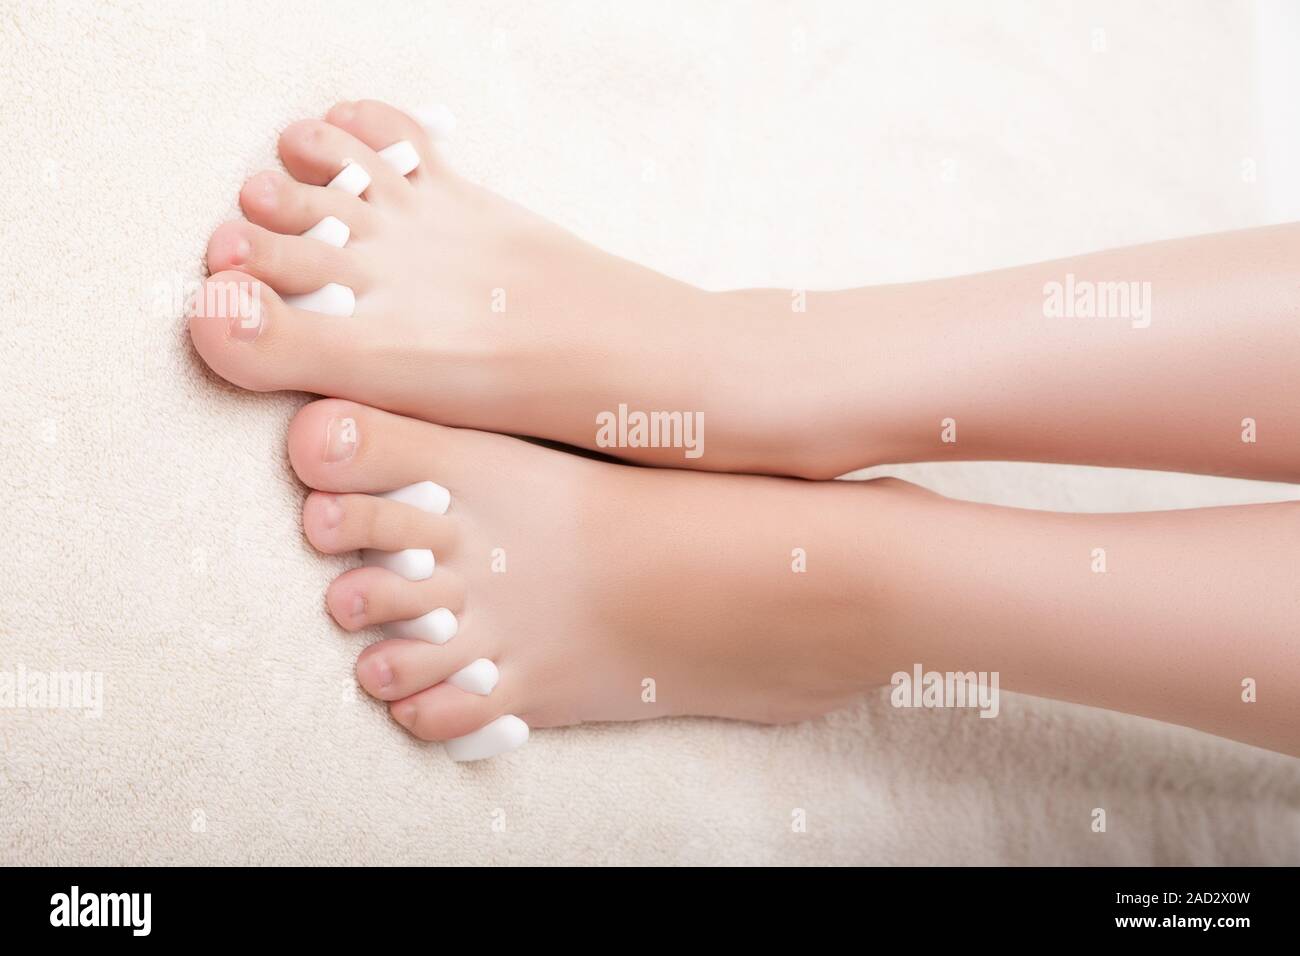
341 446
251 337
383 127
364 597
289 264
282 204
395 669
442 712
335 524
316 152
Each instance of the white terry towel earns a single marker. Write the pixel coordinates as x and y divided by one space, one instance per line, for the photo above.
150 520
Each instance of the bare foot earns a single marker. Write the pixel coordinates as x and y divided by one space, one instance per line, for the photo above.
471 311
597 591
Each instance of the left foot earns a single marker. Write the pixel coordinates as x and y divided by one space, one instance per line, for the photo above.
462 308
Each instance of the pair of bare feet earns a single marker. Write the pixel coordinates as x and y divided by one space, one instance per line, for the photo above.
600 591
724 582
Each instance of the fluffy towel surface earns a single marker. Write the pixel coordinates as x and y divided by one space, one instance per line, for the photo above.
150 519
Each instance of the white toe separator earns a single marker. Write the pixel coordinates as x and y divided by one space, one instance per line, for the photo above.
352 179
417 564
476 678
504 734
330 230
401 156
331 299
414 564
437 627
425 495
439 121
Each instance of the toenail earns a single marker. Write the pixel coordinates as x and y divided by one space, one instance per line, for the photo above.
340 439
343 112
333 515
381 673
245 302
404 714
243 249
266 190
358 608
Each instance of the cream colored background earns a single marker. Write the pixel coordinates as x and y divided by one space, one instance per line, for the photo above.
150 520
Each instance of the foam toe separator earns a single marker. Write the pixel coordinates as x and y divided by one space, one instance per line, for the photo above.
401 156
479 677
417 564
437 627
352 179
330 230
439 121
331 299
502 735
414 564
425 495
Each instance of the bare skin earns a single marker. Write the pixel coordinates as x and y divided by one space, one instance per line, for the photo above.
618 575
613 575
861 377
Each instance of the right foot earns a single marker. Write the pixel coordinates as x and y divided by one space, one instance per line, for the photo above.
470 311
598 591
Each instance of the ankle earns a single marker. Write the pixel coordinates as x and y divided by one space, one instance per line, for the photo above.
783 385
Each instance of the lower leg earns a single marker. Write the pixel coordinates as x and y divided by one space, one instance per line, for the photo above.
1177 355
1161 614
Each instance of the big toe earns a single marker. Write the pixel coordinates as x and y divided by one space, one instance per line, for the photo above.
254 339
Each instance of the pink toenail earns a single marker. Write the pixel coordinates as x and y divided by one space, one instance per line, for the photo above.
243 249
358 607
344 112
269 191
333 516
382 673
340 439
404 715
